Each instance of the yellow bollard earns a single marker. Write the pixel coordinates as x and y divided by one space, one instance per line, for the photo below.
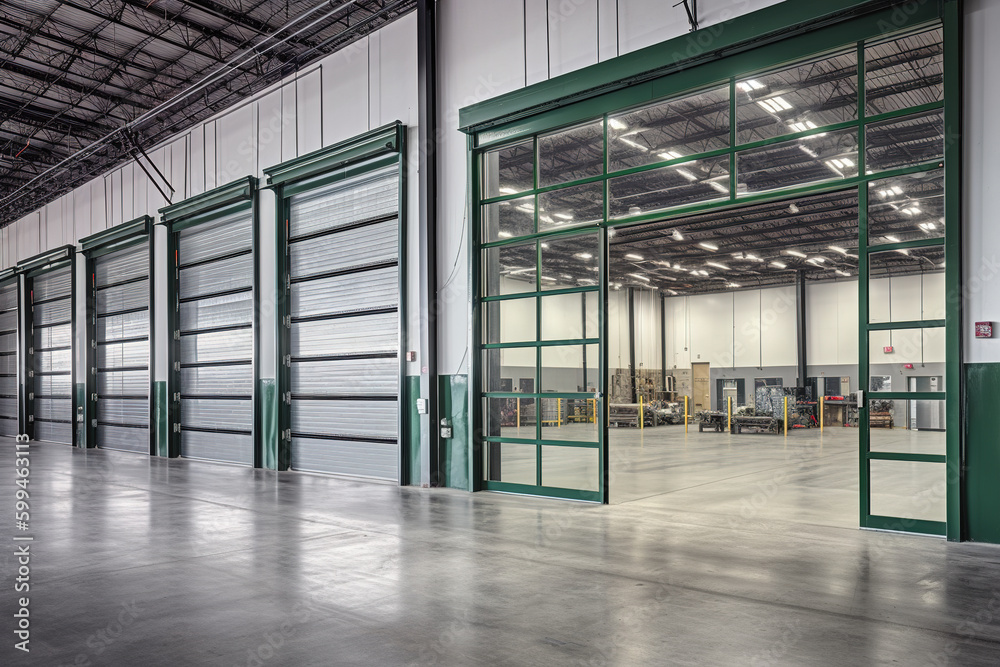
559 413
821 416
685 414
519 413
641 420
786 416
729 422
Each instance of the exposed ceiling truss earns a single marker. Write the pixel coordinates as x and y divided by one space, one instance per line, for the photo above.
86 85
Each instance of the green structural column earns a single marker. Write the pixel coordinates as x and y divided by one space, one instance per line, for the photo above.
161 419
275 452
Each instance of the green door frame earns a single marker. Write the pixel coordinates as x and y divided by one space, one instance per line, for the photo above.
376 149
767 39
97 245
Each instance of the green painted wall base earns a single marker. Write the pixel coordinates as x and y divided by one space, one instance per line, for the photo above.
81 426
275 453
411 441
982 445
161 419
453 394
454 397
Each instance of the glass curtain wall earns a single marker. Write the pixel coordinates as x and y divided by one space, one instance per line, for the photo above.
868 116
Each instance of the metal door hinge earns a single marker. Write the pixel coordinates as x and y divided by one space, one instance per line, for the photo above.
93 397
288 397
31 350
93 345
286 434
93 370
177 334
287 319
288 281
31 418
31 396
177 365
31 374
177 428
93 422
177 397
288 360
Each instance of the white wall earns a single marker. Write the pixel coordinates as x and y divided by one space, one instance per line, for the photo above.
981 177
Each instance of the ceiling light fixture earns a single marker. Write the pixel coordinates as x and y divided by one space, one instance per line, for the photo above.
670 155
564 216
584 255
617 124
639 276
795 253
677 236
633 144
508 191
711 246
749 84
779 265
843 273
686 174
892 239
504 235
837 248
718 265
719 186
632 255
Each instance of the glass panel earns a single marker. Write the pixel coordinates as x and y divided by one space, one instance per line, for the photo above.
510 417
570 368
571 468
514 463
917 427
669 130
509 169
906 285
897 357
571 260
510 269
797 98
906 207
510 369
569 155
907 489
667 187
556 422
567 207
505 219
570 316
904 142
812 159
511 321
904 72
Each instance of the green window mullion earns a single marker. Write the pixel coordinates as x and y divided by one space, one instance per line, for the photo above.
908 111
732 139
579 444
906 456
551 292
847 124
864 370
541 236
541 343
876 522
911 324
906 395
861 110
905 245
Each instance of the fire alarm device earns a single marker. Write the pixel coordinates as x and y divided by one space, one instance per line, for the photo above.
908 367
887 349
984 330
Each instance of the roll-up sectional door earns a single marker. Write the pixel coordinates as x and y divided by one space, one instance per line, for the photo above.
343 259
50 355
8 358
121 338
216 338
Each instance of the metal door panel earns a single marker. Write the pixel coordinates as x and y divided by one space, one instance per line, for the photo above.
123 297
236 345
346 457
340 417
355 335
213 413
52 285
345 202
45 337
220 311
232 447
122 355
54 361
123 411
54 432
123 438
378 376
372 244
52 312
218 380
128 325
123 383
227 274
353 292
230 233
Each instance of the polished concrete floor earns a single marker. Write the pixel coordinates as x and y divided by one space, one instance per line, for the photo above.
147 562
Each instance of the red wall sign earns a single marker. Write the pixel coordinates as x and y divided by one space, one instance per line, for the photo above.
887 349
984 330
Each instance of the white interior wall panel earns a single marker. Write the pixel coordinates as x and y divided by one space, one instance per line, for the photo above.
309 102
343 255
345 95
121 336
747 308
8 358
50 401
216 309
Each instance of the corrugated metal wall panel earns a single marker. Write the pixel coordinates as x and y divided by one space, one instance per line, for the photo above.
344 264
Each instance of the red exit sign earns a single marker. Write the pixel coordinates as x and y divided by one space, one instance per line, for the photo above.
887 349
